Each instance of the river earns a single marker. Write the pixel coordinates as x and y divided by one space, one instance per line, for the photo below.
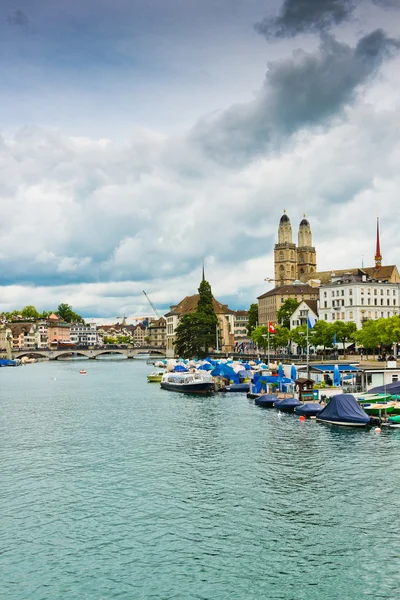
112 488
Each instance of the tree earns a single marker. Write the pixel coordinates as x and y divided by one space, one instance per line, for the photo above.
298 335
368 336
344 331
286 311
29 312
66 313
260 336
196 332
323 334
280 339
252 318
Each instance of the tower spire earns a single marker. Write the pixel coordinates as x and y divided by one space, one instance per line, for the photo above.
378 256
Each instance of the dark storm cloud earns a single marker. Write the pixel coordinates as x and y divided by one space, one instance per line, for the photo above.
312 16
18 19
299 16
304 91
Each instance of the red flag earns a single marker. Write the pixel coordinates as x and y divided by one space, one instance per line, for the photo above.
271 328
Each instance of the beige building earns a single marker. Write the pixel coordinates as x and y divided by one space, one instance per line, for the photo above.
270 302
58 330
293 262
157 332
187 306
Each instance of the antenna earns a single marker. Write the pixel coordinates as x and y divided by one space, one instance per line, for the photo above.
152 306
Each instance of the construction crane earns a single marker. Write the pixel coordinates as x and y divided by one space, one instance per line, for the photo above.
152 306
124 317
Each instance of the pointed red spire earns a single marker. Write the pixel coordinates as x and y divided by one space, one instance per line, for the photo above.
378 256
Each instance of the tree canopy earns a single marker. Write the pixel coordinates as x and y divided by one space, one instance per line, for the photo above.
197 332
252 318
66 313
286 311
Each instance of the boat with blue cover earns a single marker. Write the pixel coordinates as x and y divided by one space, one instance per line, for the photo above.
343 409
236 387
288 404
265 400
309 409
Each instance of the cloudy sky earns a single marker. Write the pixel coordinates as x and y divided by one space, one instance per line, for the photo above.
139 136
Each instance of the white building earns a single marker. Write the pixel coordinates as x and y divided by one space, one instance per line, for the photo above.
306 308
84 335
357 298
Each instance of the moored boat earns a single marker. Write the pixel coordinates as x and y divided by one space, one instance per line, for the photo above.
236 387
343 409
309 409
266 400
188 383
287 404
155 376
377 409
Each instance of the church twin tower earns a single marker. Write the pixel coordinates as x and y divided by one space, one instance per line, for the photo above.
291 262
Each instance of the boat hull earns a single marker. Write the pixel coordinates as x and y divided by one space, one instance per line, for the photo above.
343 423
189 388
154 378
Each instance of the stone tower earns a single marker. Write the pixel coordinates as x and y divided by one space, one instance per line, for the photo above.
285 254
306 255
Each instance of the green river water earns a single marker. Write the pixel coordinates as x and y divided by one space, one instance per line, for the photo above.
111 488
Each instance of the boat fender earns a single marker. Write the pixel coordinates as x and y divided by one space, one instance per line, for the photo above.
302 418
377 429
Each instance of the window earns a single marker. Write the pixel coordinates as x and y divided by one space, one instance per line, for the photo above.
342 316
375 301
382 315
333 292
394 301
388 292
388 301
351 301
350 292
324 294
342 292
362 300
362 291
375 292
376 315
381 301
325 304
369 300
369 291
350 315
395 377
326 317
394 292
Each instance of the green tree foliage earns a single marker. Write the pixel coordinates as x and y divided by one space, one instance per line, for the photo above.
196 333
108 339
29 312
368 336
286 311
277 340
259 336
323 334
298 335
345 332
66 313
253 318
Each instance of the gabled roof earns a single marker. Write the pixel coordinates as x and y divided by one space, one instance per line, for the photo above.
385 273
189 304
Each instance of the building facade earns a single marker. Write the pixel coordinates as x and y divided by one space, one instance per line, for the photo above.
358 298
306 309
270 302
293 262
58 330
157 333
84 335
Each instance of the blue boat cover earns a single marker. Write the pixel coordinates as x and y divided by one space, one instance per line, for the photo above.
390 388
236 387
180 369
343 408
288 403
266 400
308 410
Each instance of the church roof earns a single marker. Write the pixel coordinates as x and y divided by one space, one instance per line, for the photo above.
290 290
304 223
189 304
284 219
385 273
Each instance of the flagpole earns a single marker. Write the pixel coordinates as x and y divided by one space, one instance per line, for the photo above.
268 348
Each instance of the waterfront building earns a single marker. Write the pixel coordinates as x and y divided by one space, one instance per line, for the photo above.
356 297
240 321
24 336
270 302
139 334
293 262
84 334
58 330
306 309
157 333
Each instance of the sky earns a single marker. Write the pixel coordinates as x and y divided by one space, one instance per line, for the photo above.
141 137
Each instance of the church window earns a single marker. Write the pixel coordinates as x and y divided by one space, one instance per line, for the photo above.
281 255
291 254
302 271
282 268
301 257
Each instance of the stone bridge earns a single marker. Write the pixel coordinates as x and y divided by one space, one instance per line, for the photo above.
92 354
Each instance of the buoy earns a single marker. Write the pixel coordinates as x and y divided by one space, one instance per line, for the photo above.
82 372
302 418
377 430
